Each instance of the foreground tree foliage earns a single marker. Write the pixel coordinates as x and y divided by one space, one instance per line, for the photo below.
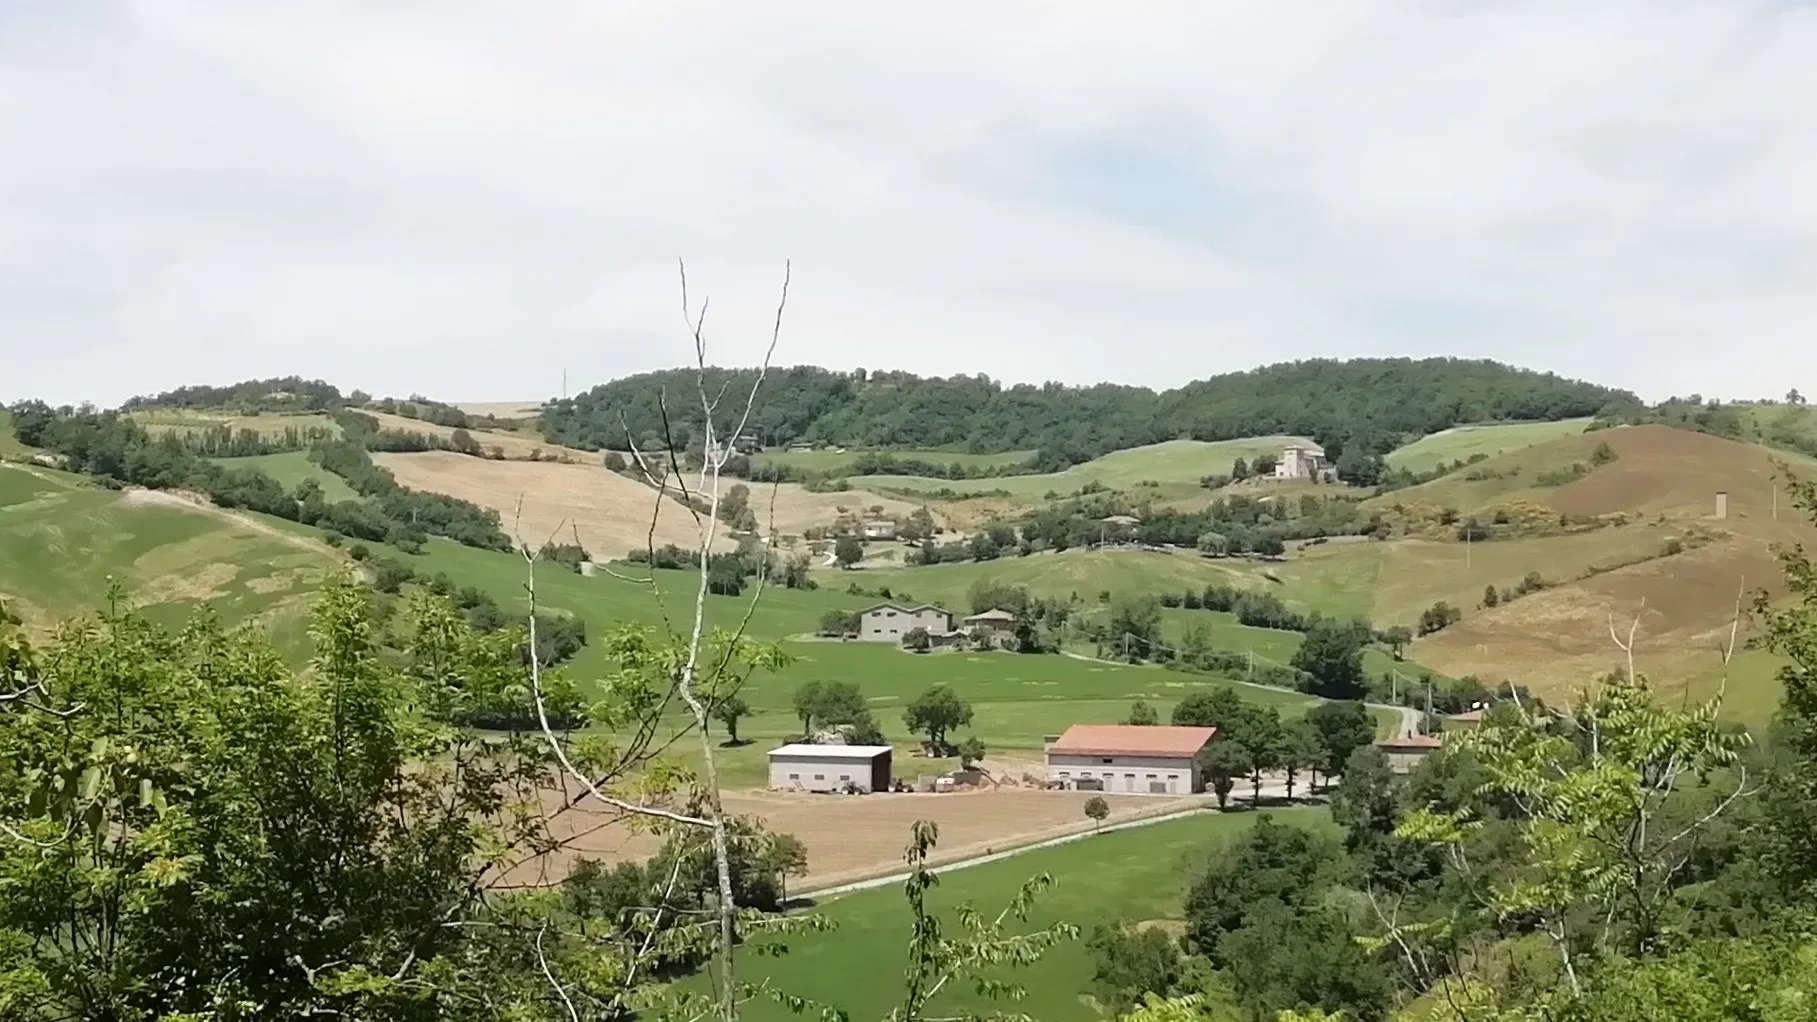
189 830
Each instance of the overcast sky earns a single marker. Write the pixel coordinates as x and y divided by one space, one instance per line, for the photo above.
462 198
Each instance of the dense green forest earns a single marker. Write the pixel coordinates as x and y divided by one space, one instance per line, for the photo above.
1366 405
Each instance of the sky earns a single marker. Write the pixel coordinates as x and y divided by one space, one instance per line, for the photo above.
466 199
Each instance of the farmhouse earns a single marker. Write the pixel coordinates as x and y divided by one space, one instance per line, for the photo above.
1406 752
994 626
1128 759
830 768
1300 461
882 528
889 622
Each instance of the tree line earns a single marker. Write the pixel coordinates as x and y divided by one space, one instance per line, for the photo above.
117 451
1357 409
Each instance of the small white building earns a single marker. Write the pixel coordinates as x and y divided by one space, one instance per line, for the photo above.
1129 758
889 622
881 528
1300 461
830 767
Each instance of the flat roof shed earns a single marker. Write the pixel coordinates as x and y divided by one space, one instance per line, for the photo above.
803 767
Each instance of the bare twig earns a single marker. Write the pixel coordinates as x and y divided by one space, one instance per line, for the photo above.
543 960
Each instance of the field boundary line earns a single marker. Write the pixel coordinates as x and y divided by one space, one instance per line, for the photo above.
979 860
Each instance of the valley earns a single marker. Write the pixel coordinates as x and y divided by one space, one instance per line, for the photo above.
1157 575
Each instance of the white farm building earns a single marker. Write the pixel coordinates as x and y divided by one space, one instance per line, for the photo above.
1129 758
830 767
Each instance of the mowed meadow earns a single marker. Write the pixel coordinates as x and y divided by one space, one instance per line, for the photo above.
1128 878
63 541
1167 471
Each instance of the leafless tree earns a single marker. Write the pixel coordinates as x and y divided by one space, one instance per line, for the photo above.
701 670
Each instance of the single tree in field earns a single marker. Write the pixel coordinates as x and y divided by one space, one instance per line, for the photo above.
1490 596
1265 739
1343 728
729 711
1398 638
1142 713
1332 654
971 752
1135 621
917 640
847 551
807 704
936 713
1222 763
1300 750
1098 810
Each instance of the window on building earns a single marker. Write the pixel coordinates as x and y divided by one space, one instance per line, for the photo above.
819 777
845 777
794 777
1106 759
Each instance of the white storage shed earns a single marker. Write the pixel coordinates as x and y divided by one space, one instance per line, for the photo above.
830 767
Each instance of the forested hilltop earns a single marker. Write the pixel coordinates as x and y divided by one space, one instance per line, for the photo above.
1366 404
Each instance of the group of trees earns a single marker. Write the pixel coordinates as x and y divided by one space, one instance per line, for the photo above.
1625 859
1252 739
191 830
1356 409
278 394
836 705
116 450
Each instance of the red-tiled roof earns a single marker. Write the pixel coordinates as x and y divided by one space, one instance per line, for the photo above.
1132 740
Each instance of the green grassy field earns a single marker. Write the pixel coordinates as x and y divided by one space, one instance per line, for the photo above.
1488 439
291 468
164 420
1086 573
1175 466
61 539
1270 645
835 462
1127 877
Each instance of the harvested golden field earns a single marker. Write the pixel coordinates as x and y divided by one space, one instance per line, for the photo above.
1657 470
1558 640
502 409
611 513
791 509
513 445
852 837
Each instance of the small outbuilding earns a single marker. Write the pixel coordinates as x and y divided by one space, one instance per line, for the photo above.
1406 752
830 767
1129 759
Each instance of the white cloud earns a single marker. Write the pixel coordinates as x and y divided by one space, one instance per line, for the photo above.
463 199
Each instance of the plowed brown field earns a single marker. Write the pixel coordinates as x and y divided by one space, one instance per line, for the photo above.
852 837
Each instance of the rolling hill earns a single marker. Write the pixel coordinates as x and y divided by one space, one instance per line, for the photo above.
1168 470
1666 478
1461 443
62 539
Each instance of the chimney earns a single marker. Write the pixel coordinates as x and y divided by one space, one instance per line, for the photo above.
1722 503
